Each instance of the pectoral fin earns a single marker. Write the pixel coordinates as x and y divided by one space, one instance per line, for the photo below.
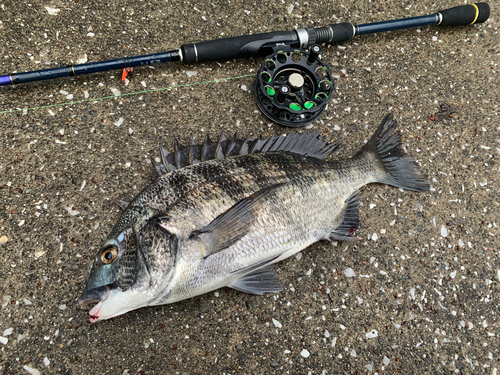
230 226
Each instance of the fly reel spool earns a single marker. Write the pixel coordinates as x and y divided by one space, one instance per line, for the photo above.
293 86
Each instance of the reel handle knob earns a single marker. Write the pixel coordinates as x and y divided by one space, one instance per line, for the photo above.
283 93
314 52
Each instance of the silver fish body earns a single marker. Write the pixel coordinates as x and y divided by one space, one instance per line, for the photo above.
222 222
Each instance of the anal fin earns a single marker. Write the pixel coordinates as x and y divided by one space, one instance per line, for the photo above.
349 224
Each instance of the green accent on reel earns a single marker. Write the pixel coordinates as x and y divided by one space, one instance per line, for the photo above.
266 77
329 84
295 107
321 96
270 91
309 105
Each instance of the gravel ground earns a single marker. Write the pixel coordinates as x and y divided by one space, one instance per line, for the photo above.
419 292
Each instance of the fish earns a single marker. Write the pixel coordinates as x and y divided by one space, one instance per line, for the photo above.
221 213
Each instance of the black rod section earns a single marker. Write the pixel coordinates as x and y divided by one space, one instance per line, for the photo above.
261 44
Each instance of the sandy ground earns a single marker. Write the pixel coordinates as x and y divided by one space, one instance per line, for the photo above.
419 292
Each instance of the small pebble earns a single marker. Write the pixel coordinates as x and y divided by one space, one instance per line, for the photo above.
72 211
444 231
31 370
82 60
305 353
276 323
349 272
373 333
119 122
7 332
52 11
115 91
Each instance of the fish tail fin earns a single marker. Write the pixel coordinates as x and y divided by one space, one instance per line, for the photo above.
401 170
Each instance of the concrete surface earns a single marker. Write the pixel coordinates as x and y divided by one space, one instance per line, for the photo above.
419 294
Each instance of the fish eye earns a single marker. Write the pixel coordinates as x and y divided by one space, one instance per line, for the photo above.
108 255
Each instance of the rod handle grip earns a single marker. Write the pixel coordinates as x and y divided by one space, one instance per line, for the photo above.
235 47
465 14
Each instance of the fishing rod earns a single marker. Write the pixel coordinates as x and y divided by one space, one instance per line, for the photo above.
260 44
293 86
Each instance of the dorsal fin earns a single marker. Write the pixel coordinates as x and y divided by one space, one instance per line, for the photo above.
310 144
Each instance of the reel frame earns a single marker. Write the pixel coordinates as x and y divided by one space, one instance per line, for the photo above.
293 86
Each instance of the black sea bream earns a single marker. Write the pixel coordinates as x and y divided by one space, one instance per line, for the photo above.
221 213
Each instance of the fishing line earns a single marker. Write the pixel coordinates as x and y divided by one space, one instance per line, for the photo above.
127 94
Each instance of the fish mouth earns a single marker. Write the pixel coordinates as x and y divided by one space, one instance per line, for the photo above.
98 295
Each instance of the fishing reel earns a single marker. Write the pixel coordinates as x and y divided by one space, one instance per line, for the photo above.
293 87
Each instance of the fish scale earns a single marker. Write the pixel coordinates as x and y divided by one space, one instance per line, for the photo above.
222 213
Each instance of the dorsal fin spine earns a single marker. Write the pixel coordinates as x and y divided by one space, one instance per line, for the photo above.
190 152
243 145
252 150
230 146
177 153
204 148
